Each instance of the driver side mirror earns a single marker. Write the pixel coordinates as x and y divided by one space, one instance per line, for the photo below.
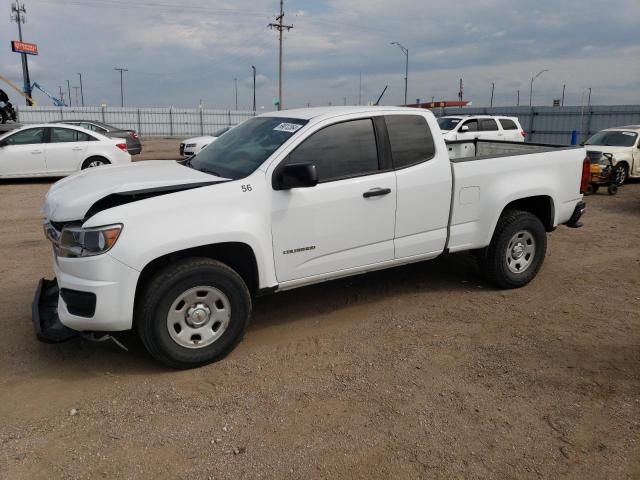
464 128
295 175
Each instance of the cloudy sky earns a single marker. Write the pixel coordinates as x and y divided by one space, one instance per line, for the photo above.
181 52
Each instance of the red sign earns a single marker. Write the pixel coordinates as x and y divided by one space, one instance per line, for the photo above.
24 47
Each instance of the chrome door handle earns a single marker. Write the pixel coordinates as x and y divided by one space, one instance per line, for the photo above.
76 149
376 192
36 152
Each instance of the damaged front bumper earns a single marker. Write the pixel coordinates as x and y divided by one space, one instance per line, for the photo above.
44 314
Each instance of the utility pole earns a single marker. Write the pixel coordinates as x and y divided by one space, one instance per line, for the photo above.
518 100
562 101
280 26
360 90
61 94
121 84
76 89
493 86
254 88
531 89
589 100
460 92
406 70
17 15
69 91
235 82
81 92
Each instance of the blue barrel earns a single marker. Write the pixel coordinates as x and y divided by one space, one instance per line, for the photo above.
574 137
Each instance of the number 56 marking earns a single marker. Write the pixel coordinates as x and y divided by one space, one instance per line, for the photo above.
246 188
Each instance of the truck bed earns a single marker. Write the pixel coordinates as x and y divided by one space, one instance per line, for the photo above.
477 149
491 174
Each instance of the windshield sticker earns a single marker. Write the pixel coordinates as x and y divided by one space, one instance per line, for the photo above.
630 134
288 127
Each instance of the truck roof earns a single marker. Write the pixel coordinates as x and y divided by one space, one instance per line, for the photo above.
328 112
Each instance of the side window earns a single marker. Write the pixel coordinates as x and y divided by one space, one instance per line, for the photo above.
342 150
508 124
410 138
88 126
62 135
472 126
84 137
488 124
26 137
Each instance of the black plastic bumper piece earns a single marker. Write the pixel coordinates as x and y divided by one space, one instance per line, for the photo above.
574 221
44 314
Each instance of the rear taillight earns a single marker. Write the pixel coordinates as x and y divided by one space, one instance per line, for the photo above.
134 134
586 170
523 133
122 146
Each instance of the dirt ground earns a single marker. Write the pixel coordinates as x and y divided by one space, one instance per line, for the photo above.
422 371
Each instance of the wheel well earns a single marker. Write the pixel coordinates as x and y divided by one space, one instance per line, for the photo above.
238 256
541 206
88 159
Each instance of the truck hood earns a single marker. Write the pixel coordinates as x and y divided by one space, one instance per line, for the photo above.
72 197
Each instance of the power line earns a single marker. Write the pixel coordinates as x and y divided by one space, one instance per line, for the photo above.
280 26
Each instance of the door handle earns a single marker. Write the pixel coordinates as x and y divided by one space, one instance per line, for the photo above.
36 152
376 192
76 149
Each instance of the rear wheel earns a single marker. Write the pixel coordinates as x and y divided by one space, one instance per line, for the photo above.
591 189
517 250
95 162
193 312
612 189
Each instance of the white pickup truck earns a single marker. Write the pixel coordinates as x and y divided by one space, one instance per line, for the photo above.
176 250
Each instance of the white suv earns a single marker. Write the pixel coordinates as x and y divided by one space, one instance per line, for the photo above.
485 127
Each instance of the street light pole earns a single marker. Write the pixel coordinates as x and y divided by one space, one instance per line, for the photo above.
406 71
254 88
121 84
531 88
235 81
493 86
81 92
69 92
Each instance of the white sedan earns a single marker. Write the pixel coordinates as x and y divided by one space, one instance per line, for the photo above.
56 150
191 146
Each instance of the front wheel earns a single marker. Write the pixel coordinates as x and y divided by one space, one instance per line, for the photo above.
612 189
517 250
193 312
622 172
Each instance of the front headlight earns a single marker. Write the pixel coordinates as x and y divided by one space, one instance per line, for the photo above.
86 242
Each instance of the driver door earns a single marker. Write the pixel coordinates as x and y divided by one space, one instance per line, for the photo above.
23 153
344 222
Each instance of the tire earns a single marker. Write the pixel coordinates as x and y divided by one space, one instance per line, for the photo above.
591 189
612 189
3 116
517 235
622 173
92 162
166 326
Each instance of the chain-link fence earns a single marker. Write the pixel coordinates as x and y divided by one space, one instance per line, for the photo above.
147 121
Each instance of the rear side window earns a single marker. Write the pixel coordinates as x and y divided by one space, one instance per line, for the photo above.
343 150
488 124
508 124
85 137
410 138
61 135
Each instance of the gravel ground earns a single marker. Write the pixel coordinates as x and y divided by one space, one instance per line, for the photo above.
422 371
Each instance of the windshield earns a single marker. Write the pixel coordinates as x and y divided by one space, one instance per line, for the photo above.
448 123
244 148
613 139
